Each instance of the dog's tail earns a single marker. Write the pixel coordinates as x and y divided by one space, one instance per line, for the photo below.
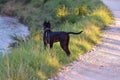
74 32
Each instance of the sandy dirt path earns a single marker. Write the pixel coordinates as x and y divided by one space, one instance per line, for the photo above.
103 63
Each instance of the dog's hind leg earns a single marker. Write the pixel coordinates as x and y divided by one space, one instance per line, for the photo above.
64 45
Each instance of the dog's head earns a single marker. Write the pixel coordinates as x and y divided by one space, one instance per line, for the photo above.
46 25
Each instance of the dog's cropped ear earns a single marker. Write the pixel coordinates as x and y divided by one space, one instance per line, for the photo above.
49 23
45 22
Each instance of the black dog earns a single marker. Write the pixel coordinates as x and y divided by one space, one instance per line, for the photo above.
50 37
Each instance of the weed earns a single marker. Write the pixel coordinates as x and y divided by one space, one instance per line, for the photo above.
30 61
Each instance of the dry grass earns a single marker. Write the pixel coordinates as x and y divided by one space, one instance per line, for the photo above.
30 61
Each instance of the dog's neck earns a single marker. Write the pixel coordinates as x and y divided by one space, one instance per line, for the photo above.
47 29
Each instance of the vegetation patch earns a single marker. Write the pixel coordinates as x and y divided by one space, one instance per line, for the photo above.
29 60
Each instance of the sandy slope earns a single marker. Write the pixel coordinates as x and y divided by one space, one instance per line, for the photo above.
104 62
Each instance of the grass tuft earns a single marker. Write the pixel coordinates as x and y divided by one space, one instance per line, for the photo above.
29 60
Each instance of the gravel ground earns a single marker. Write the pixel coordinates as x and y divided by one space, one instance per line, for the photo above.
103 62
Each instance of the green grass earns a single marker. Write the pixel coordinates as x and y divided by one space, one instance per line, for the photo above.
30 61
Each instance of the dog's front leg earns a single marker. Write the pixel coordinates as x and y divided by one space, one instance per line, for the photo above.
51 45
45 43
